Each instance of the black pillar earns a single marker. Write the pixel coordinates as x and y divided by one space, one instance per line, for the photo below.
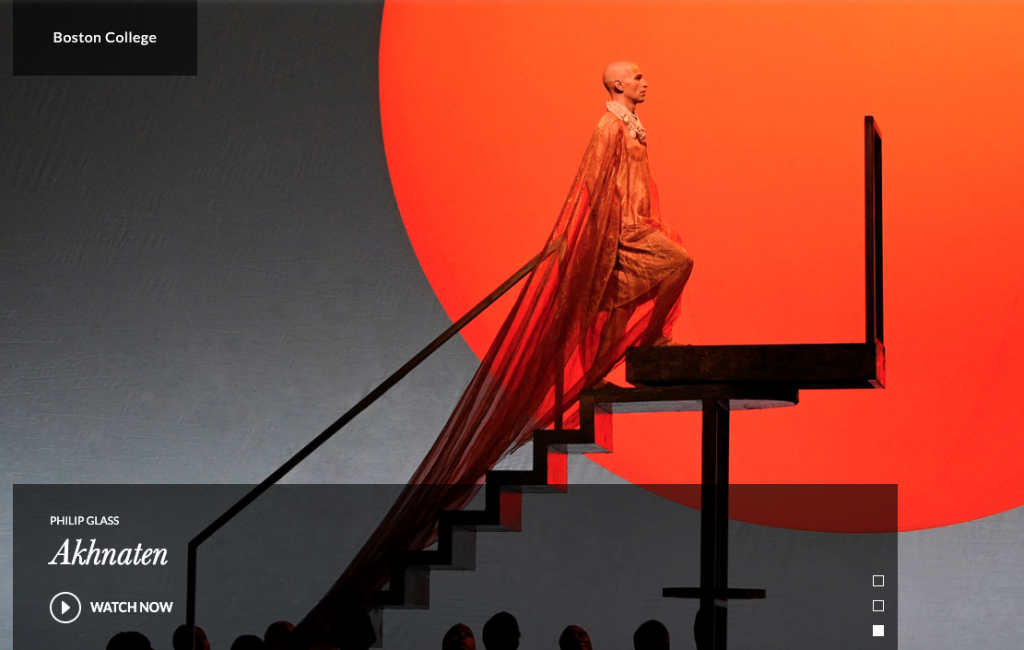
714 521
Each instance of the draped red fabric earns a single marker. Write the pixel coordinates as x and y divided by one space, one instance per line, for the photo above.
609 277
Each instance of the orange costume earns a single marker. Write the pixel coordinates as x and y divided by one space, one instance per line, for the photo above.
609 278
651 265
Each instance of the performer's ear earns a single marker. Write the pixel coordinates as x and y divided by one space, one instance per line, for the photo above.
618 87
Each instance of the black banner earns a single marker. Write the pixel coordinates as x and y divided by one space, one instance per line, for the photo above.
91 561
135 37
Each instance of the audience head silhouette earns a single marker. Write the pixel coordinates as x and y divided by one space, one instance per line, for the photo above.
458 637
248 642
574 638
501 632
277 633
652 635
181 640
129 641
351 629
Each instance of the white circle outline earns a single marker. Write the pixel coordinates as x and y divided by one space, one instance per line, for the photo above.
54 616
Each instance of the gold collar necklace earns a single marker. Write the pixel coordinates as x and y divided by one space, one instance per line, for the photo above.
636 130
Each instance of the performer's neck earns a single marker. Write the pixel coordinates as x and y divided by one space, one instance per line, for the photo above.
625 102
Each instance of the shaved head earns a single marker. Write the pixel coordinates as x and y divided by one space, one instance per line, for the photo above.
618 71
625 83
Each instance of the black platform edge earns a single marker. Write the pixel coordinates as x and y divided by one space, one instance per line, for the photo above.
659 399
804 366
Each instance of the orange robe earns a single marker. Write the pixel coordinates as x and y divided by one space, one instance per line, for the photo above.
651 266
609 278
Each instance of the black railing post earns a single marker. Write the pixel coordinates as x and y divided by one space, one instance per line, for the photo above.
190 601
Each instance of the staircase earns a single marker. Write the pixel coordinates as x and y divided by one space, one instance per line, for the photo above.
504 489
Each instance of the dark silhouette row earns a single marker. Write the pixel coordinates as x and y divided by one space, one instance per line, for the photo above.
352 629
275 637
501 632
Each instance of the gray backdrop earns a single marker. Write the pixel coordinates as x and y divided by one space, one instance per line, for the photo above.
199 274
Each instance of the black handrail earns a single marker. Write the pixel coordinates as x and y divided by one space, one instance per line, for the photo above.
314 444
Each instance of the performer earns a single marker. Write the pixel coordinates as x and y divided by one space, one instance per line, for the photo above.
609 277
651 263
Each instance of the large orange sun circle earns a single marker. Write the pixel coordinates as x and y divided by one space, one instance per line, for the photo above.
754 118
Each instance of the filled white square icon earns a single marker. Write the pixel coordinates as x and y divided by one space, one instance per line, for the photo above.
878 605
877 630
877 581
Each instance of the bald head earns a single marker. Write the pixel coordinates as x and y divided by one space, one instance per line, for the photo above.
625 83
618 71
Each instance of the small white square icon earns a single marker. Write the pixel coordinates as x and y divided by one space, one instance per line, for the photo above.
877 581
877 630
878 605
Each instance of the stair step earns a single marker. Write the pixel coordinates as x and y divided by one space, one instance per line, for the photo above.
409 589
526 481
576 441
503 511
456 551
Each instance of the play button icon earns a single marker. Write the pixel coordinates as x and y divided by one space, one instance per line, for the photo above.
65 607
